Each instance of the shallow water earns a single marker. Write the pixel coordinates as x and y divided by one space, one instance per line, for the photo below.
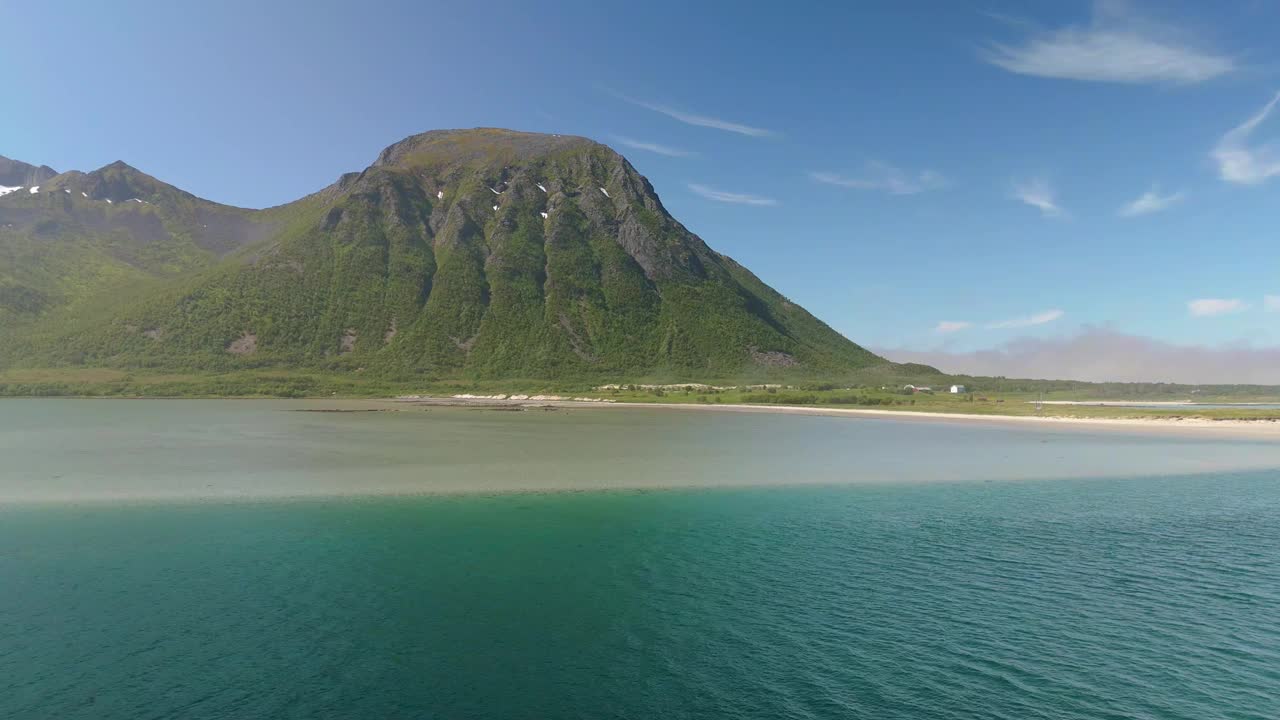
57 450
1186 406
883 595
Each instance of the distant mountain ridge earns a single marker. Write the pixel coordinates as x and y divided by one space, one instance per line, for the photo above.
471 253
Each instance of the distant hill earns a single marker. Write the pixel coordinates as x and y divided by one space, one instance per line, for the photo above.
469 253
81 242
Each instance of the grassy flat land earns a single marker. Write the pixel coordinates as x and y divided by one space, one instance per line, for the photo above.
111 382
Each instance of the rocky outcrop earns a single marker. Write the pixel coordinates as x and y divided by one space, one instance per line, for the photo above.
15 173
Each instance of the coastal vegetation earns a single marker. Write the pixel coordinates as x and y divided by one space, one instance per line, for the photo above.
990 396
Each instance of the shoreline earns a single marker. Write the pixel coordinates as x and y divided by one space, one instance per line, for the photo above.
1150 403
1265 429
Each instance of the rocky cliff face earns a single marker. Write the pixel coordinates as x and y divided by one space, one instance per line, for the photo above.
485 253
14 173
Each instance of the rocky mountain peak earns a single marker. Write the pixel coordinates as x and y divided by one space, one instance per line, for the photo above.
15 173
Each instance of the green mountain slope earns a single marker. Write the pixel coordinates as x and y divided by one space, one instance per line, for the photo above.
79 240
478 253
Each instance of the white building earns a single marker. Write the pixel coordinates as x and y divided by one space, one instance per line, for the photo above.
957 389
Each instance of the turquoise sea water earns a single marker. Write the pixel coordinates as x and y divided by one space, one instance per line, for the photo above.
1152 597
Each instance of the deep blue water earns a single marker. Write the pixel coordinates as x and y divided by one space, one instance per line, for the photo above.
1154 598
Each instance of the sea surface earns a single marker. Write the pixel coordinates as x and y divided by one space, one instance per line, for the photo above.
240 560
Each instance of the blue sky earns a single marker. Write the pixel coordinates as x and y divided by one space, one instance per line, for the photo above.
927 175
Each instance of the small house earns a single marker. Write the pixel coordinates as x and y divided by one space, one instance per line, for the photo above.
957 390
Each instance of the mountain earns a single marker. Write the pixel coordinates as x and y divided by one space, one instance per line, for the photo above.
471 253
78 240
15 175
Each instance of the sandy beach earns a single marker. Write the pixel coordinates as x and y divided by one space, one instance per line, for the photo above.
1202 427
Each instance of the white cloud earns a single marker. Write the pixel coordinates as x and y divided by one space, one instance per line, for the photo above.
1101 355
950 326
728 197
1039 318
1038 194
1239 163
1115 47
652 147
1209 307
1150 202
882 176
1271 303
699 120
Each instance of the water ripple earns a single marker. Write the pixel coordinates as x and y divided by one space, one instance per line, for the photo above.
1156 599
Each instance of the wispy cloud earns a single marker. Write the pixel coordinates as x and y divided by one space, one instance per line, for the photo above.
1039 318
651 147
1209 307
950 326
1271 303
1239 163
699 120
946 327
1117 47
1150 202
729 197
1038 194
885 177
1102 355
